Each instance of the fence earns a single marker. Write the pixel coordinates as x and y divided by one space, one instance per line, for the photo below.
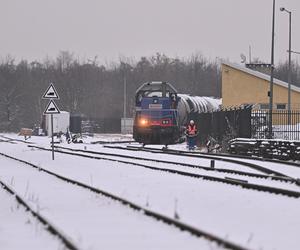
223 124
285 124
247 123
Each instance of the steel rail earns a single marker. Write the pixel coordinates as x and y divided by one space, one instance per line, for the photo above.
111 142
48 226
294 164
239 156
256 187
8 141
182 226
196 153
221 170
184 153
18 140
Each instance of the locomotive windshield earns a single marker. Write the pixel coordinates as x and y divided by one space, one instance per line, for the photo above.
155 89
152 93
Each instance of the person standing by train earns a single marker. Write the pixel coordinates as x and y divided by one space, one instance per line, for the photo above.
191 135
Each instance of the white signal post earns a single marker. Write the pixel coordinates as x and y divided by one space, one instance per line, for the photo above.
51 109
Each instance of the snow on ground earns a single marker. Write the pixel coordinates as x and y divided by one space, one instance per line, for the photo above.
108 138
94 221
258 220
19 229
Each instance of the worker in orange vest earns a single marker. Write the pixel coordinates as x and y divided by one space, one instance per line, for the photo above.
191 135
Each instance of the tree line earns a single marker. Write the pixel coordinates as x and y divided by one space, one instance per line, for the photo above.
97 90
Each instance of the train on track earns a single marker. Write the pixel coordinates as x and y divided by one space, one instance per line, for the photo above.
161 113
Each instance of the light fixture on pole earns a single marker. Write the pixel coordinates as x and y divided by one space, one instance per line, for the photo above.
290 62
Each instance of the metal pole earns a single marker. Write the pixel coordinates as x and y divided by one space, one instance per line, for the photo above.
250 54
125 96
52 140
290 69
272 75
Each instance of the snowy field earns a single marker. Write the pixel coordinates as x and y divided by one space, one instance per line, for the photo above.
252 219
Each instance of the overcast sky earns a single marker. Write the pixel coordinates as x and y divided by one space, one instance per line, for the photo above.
33 29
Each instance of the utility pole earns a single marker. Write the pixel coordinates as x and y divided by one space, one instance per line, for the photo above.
290 63
290 68
272 76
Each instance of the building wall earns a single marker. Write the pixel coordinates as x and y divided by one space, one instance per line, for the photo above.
239 87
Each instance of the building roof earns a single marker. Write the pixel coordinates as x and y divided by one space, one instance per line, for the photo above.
260 75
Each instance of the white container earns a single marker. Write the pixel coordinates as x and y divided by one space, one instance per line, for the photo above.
61 122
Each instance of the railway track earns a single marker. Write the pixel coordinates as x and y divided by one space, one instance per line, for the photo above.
221 170
165 219
112 142
203 156
8 139
224 155
226 180
294 164
268 173
48 226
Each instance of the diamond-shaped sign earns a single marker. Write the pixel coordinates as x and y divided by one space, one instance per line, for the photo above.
51 93
51 108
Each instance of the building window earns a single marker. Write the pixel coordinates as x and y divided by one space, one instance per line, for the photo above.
280 106
264 106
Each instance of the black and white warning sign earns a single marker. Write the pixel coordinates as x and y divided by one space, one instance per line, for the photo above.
50 93
51 108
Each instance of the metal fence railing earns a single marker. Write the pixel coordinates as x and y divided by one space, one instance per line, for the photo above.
285 124
247 123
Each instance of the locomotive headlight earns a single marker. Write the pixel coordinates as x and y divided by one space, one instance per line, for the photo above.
143 122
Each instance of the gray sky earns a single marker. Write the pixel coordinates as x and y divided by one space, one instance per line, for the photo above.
33 29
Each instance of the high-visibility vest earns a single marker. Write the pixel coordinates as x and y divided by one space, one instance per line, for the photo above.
192 129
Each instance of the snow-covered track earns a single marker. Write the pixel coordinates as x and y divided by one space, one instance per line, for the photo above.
48 226
221 170
8 141
112 142
231 181
294 164
174 222
17 140
205 156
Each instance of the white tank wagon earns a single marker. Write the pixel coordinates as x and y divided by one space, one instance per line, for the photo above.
196 104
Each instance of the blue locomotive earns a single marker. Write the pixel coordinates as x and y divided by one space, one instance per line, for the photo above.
156 115
161 113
